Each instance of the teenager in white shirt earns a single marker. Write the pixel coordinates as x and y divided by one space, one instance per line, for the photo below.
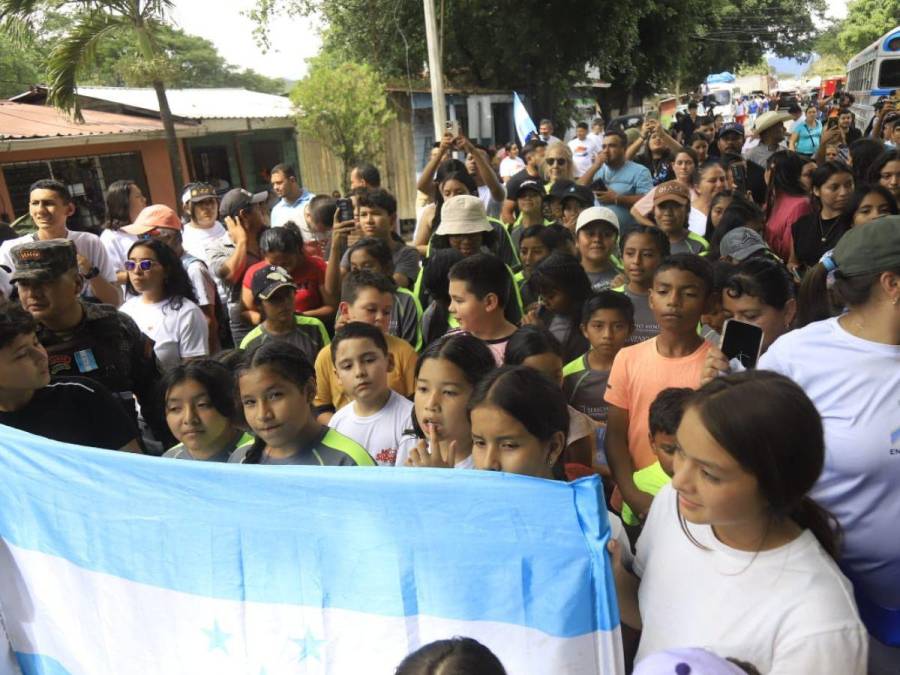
50 205
734 555
164 307
512 163
124 201
202 206
378 416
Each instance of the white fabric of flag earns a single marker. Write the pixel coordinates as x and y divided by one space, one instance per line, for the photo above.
524 124
114 563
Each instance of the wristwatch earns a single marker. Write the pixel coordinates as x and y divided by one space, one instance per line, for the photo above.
93 272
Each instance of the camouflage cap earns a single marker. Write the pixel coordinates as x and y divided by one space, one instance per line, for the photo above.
43 260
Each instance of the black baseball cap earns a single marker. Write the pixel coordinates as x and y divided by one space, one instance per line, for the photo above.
237 199
269 279
532 184
580 192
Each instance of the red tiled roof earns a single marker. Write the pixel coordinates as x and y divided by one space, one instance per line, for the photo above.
21 120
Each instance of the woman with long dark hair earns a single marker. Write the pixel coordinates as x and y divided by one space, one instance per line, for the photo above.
813 234
124 201
734 551
786 200
164 307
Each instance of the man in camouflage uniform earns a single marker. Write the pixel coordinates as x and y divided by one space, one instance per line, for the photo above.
89 339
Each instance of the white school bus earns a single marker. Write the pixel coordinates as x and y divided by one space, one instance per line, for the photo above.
874 72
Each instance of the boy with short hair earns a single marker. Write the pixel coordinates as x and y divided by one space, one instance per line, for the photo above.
369 298
679 295
479 288
378 218
643 250
377 417
665 416
374 255
596 231
608 319
273 291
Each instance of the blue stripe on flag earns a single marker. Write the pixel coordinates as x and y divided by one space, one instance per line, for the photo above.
38 664
524 123
467 545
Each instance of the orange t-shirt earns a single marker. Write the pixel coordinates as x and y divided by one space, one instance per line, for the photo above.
638 374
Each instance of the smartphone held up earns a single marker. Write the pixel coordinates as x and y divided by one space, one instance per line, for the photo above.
741 342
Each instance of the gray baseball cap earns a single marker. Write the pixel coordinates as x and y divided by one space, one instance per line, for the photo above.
741 243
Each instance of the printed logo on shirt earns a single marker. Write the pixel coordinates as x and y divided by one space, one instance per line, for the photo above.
895 441
386 457
59 363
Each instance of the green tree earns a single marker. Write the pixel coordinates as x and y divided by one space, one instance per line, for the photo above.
344 105
192 61
93 23
543 50
867 20
20 67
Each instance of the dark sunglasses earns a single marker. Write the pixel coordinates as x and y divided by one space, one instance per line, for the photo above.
561 161
145 265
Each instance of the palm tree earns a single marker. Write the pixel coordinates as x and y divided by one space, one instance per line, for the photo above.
93 21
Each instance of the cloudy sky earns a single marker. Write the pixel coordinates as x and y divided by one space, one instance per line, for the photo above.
293 40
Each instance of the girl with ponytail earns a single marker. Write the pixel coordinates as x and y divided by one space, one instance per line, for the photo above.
734 553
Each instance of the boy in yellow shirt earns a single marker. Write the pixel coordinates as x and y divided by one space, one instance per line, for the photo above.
367 297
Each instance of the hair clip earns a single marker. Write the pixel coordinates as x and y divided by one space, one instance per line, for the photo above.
827 261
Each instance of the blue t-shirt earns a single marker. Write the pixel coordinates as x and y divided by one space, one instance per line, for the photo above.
629 179
808 138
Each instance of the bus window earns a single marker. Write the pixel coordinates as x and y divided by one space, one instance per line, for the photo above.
889 75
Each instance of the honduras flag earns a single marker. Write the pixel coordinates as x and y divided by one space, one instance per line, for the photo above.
113 564
525 128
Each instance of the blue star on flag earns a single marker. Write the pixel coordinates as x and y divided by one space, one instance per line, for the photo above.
309 646
217 637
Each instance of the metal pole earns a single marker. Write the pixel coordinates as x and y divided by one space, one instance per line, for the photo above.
435 71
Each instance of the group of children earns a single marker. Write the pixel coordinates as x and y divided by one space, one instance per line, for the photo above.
583 357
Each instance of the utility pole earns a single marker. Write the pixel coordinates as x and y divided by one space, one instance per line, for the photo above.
435 71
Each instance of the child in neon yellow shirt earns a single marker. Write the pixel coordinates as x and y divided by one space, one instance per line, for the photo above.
665 416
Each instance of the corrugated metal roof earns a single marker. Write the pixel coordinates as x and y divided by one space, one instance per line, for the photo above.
20 120
198 103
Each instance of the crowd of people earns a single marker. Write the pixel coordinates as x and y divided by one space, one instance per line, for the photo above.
557 314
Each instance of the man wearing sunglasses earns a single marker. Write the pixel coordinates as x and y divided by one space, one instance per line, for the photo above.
625 181
87 339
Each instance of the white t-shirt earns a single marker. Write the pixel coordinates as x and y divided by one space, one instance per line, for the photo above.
697 221
116 243
380 433
196 239
491 207
855 385
786 611
583 155
87 245
176 333
510 166
202 281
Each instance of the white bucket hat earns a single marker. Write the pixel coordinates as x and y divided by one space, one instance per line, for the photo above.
463 214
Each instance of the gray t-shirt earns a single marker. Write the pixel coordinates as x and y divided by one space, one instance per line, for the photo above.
601 281
686 245
645 326
584 388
